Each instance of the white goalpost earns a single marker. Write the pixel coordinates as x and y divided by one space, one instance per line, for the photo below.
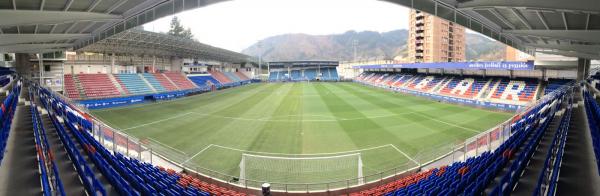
301 169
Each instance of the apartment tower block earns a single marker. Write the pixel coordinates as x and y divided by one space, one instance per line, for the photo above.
431 39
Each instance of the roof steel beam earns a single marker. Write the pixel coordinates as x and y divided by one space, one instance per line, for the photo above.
587 6
68 5
502 18
567 47
30 17
576 35
31 47
587 22
94 4
115 6
564 18
42 4
541 17
521 18
6 39
570 54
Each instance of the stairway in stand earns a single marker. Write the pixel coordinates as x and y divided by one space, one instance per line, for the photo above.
117 84
78 86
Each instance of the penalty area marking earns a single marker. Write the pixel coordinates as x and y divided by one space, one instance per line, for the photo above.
207 147
158 121
162 144
287 154
454 125
317 154
402 152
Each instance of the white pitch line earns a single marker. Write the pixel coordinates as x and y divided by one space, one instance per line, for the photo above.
402 152
335 119
313 154
454 125
166 145
158 121
197 154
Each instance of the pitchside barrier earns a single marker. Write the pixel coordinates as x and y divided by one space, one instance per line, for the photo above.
152 151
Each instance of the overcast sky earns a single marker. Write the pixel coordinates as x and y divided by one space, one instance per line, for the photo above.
237 24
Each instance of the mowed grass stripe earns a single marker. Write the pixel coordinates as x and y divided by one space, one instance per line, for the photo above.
146 113
357 130
283 136
406 111
195 139
415 126
239 134
455 114
441 132
318 134
184 133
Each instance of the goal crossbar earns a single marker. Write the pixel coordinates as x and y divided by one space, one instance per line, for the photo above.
265 168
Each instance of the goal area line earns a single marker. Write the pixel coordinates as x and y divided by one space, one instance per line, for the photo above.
303 156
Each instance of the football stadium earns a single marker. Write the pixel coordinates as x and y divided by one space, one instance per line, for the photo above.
93 103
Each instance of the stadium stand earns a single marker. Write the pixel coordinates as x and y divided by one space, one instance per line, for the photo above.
325 74
204 80
232 76
70 88
9 104
593 115
500 90
180 81
242 76
554 84
134 84
165 82
97 85
83 86
220 77
154 82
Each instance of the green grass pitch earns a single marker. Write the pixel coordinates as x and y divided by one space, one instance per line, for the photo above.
286 119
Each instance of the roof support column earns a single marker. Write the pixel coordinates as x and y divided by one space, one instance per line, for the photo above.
583 68
40 66
153 64
112 63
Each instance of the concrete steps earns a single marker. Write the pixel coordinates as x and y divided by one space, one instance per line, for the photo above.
79 87
117 84
147 83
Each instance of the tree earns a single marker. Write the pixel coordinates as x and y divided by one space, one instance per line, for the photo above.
176 29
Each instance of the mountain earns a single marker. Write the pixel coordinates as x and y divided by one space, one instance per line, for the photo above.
370 45
482 48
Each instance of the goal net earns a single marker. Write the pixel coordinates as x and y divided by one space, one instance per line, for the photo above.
301 169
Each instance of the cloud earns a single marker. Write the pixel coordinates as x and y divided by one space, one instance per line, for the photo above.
237 24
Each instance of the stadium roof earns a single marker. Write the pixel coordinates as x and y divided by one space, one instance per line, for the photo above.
295 64
33 26
139 42
568 28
